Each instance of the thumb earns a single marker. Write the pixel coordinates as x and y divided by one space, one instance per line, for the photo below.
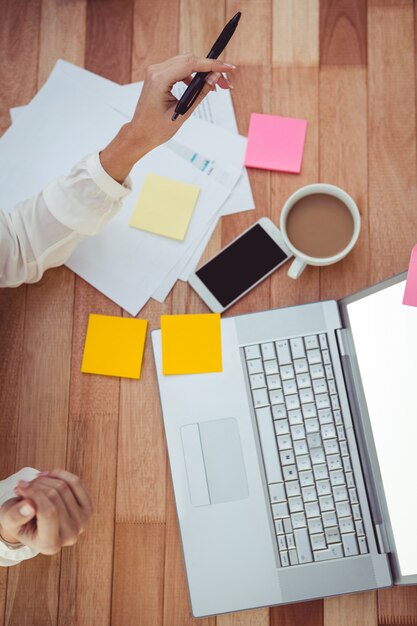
16 513
211 80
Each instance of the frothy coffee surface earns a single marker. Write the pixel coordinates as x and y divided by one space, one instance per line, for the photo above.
320 225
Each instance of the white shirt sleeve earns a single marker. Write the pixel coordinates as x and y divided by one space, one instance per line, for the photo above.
42 232
9 556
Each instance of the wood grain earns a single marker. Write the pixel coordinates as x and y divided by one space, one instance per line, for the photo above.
295 33
358 609
343 32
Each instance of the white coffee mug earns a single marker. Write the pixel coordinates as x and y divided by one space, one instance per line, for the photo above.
301 259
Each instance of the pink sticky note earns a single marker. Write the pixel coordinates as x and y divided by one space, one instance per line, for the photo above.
275 143
410 293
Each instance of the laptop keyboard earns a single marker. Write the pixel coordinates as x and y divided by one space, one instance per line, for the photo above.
312 489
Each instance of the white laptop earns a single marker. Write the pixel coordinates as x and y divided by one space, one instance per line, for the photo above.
294 468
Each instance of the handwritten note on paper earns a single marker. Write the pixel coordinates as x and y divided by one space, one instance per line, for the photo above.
275 143
114 346
191 344
410 293
165 206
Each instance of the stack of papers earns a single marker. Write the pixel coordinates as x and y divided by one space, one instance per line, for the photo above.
76 113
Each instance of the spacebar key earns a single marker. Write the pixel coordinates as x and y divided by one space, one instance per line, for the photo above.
269 445
302 543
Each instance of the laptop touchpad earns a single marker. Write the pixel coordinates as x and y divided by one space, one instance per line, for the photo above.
214 462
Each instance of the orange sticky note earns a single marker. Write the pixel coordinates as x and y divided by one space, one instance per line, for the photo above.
114 346
191 344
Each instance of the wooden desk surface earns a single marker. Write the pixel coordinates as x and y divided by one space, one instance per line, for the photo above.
348 67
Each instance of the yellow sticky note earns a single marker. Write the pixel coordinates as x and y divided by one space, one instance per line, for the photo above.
165 206
114 346
191 344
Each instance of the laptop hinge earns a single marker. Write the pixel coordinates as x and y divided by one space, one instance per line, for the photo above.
382 538
341 334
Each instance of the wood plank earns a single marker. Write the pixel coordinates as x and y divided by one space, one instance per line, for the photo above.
295 35
305 613
397 607
138 596
343 32
198 29
258 617
109 38
155 34
358 609
62 33
251 44
344 162
43 426
391 138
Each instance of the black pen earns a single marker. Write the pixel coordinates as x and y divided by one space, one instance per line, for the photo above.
197 84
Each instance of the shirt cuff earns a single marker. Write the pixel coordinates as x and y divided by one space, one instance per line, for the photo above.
103 180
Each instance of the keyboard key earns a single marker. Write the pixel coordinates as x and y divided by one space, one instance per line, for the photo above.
353 496
290 472
340 493
277 493
298 520
306 395
306 478
312 509
314 440
317 371
295 504
332 535
329 372
309 494
312 425
329 519
326 503
289 386
350 545
323 487
293 557
268 351
331 446
279 411
284 442
348 468
279 526
255 366
303 463
282 544
315 525
280 509
300 446
334 462
283 351
323 341
332 387
340 432
295 416
319 385
287 457
281 427
292 402
337 477
297 348
293 488
356 512
269 445
273 381
335 402
317 455
359 528
257 381
252 352
287 525
325 416
343 509
322 401
346 525
301 366
320 471
311 342
337 417
287 372
284 558
276 396
344 448
302 542
326 357
363 547
309 410
271 367
290 541
260 398
328 431
333 552
303 381
298 432
318 542
313 357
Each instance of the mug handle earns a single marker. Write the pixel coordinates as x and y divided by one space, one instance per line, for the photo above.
296 268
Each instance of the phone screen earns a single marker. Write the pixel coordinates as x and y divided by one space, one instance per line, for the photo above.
241 265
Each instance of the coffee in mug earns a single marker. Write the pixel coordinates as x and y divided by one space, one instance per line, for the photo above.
320 224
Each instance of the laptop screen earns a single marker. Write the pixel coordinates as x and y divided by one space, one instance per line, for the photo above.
385 338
